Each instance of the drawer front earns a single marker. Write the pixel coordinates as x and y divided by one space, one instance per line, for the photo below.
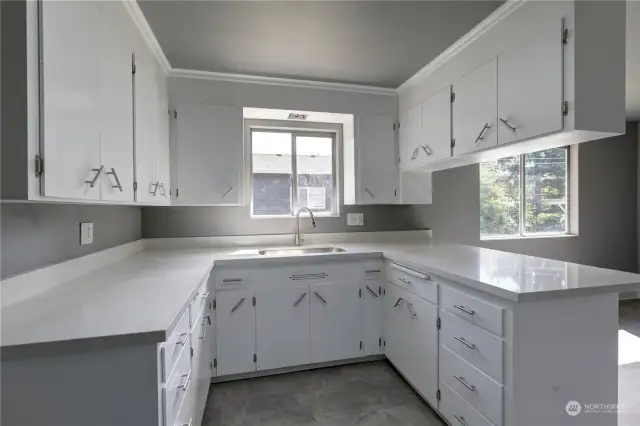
480 348
476 311
459 412
475 387
177 386
171 348
413 281
199 302
186 416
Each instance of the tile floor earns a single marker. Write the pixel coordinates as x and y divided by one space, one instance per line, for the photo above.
373 394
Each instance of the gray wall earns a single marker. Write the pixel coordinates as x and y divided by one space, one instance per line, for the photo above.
33 236
169 222
608 209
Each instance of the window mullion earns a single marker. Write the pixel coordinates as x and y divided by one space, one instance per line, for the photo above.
294 175
522 196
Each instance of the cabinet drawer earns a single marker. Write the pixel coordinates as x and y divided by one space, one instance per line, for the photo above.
472 385
476 311
199 302
478 347
416 282
177 386
187 410
172 347
458 411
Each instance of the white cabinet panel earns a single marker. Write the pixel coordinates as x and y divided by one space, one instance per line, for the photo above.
530 86
335 321
282 326
435 143
377 162
235 331
410 136
475 109
209 155
415 187
395 316
371 318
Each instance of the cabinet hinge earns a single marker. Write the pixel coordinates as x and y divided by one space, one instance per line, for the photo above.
565 108
396 125
438 323
210 366
453 143
135 186
384 343
380 342
133 68
175 113
215 363
565 36
177 193
360 344
214 304
395 192
255 358
438 395
379 290
254 301
39 165
191 351
360 293
453 97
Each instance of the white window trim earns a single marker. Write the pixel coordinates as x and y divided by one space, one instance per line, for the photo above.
307 128
572 204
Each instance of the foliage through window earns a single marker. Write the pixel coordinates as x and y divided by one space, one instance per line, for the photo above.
290 170
525 195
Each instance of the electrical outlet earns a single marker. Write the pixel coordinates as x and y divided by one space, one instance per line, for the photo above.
355 219
86 233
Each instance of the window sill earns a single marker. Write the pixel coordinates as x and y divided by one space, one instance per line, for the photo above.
527 237
305 216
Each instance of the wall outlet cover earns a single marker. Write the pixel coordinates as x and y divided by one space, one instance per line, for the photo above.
86 233
355 219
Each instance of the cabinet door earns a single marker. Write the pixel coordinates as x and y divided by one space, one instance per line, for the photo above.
475 110
335 321
202 362
436 128
70 99
396 327
410 135
530 86
282 326
235 332
116 101
422 347
209 155
377 164
163 150
371 318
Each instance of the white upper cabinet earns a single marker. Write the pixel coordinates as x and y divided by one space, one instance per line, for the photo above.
209 151
410 136
377 174
475 108
435 143
530 86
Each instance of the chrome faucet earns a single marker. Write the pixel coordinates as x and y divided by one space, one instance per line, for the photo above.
299 238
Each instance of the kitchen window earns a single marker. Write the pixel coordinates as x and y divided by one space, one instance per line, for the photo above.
292 169
525 195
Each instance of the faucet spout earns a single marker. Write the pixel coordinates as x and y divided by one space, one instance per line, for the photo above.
298 236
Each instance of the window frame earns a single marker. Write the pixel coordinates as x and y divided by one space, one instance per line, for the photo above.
522 203
296 130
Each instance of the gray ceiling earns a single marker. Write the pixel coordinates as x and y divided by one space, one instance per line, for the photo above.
377 43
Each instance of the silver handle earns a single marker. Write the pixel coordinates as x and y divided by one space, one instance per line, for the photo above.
404 280
155 189
427 149
235 308
464 382
206 320
115 176
320 297
415 153
461 420
398 302
411 310
93 181
464 342
300 299
373 293
181 342
370 193
188 424
411 272
232 280
506 123
226 192
186 384
463 309
205 296
162 191
481 135
372 271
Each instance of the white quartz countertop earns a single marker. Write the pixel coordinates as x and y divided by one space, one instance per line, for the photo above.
141 297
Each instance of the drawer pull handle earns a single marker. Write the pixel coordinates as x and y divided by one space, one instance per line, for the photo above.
205 321
464 342
398 302
373 293
186 384
181 342
465 383
226 192
463 309
115 176
481 135
411 310
232 280
205 296
320 297
93 181
372 271
411 272
404 280
300 299
235 308
461 420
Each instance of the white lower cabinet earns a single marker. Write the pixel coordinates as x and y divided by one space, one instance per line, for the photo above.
235 331
282 326
371 308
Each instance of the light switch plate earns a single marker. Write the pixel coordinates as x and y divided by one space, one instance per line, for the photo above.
86 233
355 219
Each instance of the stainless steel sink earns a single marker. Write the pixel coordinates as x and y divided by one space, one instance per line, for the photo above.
300 250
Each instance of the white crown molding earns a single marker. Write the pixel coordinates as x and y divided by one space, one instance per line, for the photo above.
276 81
463 42
147 33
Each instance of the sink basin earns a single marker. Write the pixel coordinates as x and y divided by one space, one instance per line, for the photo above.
300 250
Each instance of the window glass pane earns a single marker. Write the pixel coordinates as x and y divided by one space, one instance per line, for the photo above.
314 155
546 191
271 173
500 197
